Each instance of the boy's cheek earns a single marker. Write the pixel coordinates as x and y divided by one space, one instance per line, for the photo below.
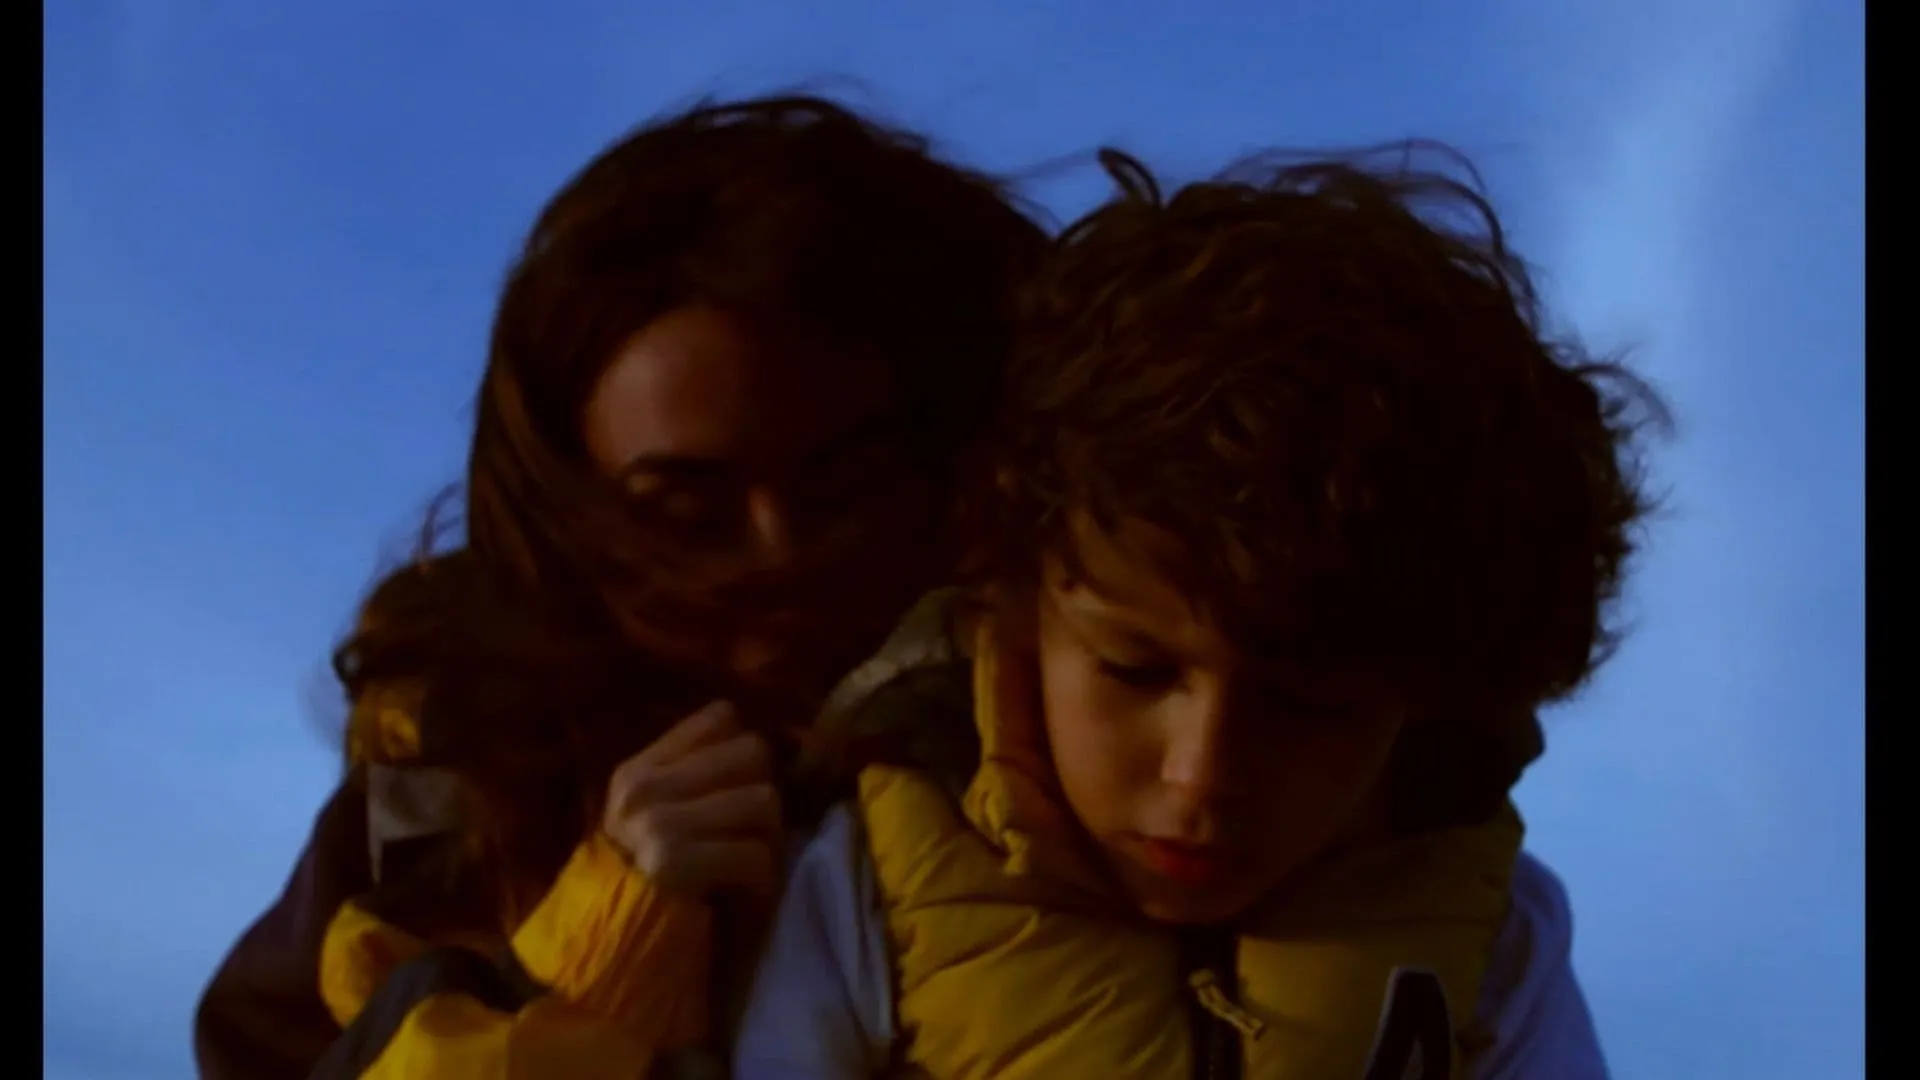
1073 696
1097 756
1307 793
1096 727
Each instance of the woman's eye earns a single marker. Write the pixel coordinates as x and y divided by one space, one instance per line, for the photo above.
682 508
692 516
1141 676
826 495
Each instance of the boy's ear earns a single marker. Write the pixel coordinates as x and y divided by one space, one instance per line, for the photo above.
1459 768
1011 612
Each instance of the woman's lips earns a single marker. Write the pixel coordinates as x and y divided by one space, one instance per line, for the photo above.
1188 864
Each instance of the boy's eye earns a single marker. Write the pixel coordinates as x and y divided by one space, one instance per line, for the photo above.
1141 676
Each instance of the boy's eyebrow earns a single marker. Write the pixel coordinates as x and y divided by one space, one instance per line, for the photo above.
1136 638
1099 611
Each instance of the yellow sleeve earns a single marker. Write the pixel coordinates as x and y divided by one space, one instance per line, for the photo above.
623 970
606 940
455 1037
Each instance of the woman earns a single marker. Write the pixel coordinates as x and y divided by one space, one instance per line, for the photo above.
728 378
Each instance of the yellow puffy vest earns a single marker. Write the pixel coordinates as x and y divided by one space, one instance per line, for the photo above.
1013 961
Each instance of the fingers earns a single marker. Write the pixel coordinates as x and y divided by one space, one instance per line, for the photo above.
741 760
714 722
700 866
752 811
698 810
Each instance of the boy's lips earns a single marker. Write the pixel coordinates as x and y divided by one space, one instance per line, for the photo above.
1188 864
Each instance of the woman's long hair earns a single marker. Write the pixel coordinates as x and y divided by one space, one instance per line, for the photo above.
538 652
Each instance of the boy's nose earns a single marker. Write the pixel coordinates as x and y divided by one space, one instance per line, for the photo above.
1191 771
1194 758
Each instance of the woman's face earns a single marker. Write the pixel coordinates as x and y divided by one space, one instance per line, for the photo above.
785 468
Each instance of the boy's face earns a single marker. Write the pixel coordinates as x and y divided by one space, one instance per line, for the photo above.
1204 777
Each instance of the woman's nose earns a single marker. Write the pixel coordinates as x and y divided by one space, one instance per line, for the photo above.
769 526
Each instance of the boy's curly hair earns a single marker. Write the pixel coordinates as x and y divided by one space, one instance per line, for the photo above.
1331 383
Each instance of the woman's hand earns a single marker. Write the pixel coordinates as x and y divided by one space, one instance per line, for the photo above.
698 810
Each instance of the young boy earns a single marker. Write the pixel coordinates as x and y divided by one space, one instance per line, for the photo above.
1293 518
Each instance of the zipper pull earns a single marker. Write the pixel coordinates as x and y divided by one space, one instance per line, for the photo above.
1214 999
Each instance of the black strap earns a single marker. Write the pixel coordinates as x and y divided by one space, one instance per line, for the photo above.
1415 1022
503 986
261 1018
698 1064
1216 1048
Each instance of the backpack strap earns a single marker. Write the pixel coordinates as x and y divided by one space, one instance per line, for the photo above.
911 703
923 719
407 803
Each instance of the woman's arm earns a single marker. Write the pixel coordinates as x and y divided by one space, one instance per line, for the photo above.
261 1018
618 972
1531 1006
606 975
821 1007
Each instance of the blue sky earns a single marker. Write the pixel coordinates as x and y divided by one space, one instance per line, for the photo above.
273 233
